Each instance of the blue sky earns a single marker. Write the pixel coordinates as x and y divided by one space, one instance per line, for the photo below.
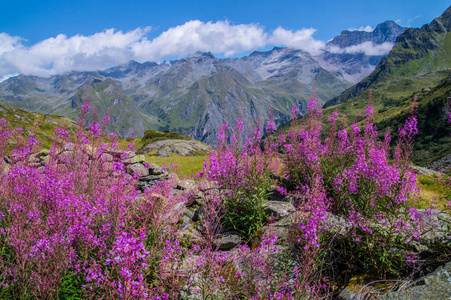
51 37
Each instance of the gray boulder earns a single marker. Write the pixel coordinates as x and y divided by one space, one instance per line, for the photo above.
155 169
228 241
139 170
436 285
425 171
278 209
347 294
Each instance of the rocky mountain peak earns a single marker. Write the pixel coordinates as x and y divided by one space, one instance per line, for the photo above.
384 32
200 54
132 67
445 19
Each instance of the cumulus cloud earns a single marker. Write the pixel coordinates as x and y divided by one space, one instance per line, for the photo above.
61 54
300 39
8 43
218 37
369 48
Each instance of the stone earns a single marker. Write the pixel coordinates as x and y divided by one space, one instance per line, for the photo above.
125 154
278 209
443 164
39 156
228 241
174 212
107 157
436 285
186 185
194 198
188 213
150 178
42 153
155 169
135 159
347 294
425 171
198 214
337 224
139 170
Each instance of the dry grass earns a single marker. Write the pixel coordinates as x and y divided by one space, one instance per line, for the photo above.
186 167
433 193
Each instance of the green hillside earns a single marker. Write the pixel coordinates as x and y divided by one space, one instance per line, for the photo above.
418 66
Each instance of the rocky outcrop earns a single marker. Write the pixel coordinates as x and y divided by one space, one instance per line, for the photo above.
442 165
180 147
147 174
425 171
436 285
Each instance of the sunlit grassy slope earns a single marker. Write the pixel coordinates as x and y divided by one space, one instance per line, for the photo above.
432 192
40 125
392 100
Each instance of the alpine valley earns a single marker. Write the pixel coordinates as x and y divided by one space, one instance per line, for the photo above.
196 94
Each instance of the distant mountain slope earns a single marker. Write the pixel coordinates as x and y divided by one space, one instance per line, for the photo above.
345 52
417 52
196 94
419 66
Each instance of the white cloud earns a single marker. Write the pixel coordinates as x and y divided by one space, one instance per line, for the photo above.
8 43
366 47
61 54
367 28
300 39
218 37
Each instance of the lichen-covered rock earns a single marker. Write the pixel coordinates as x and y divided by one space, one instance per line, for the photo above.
139 170
135 159
155 169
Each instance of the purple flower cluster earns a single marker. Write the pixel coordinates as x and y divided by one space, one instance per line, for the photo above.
79 213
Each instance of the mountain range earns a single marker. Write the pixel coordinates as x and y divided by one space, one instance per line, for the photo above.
196 94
